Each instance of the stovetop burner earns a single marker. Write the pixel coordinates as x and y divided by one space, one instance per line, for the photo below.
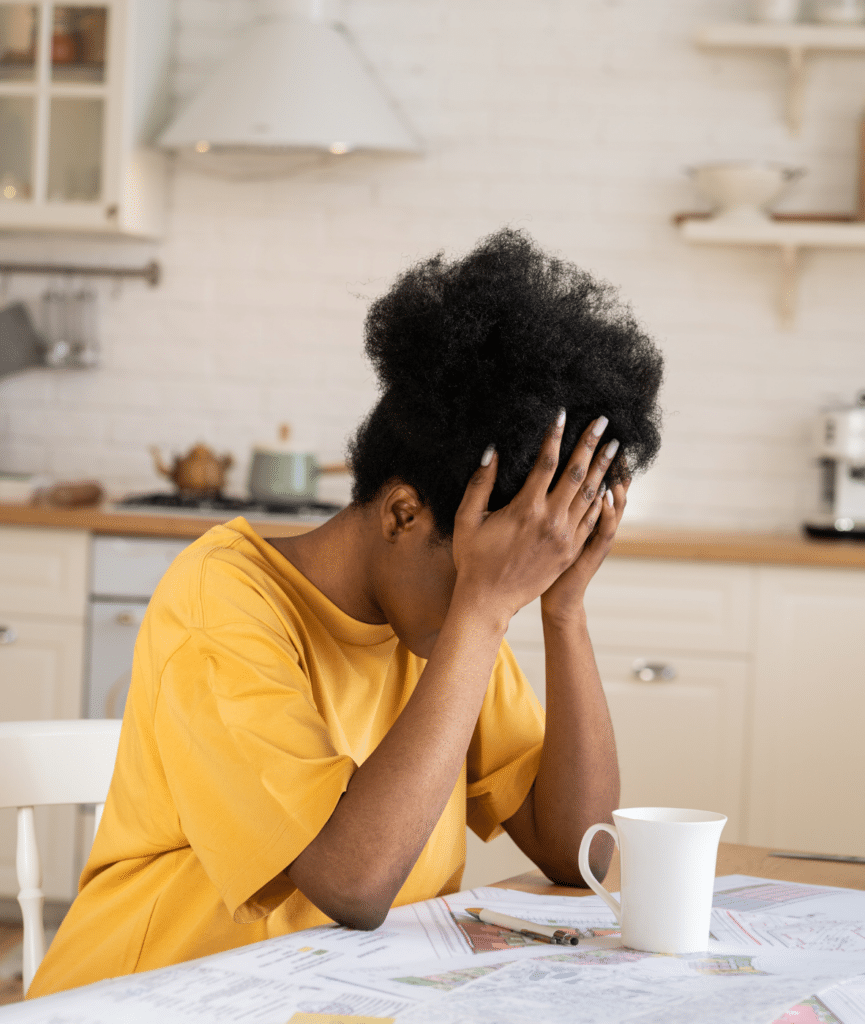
186 502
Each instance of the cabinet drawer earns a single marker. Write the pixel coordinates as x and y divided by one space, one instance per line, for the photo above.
673 605
681 742
43 572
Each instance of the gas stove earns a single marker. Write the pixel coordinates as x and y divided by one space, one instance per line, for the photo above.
221 505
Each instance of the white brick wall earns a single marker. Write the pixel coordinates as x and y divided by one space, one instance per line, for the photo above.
571 118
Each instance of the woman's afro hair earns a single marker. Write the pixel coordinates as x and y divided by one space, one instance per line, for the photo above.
485 350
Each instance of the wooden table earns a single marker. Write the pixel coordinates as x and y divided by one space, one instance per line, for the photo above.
733 859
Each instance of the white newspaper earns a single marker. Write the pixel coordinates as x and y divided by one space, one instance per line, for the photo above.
776 947
618 986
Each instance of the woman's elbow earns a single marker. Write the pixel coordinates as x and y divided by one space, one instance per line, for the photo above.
568 873
357 913
347 902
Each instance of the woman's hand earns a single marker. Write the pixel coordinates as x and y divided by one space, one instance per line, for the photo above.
562 602
534 544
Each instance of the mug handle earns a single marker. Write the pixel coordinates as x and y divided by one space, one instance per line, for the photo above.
586 871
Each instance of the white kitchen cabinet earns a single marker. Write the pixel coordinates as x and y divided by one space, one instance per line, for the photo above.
43 592
83 90
681 740
765 717
807 782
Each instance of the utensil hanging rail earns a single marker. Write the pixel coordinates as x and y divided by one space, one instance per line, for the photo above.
151 272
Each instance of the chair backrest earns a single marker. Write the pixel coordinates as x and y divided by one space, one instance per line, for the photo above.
54 762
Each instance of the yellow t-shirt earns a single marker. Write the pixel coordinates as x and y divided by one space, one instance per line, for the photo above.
253 700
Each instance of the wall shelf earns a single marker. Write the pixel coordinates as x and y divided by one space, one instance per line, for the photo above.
790 234
796 40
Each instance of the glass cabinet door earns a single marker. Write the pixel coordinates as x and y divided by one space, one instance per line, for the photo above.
74 150
54 97
78 43
17 117
19 29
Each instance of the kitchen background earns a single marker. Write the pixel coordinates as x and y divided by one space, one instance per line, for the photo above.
573 120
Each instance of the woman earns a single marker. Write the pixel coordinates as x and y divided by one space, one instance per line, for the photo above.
313 720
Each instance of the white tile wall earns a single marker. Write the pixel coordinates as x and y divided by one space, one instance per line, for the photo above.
571 118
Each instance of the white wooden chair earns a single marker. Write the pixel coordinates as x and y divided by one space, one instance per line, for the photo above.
59 762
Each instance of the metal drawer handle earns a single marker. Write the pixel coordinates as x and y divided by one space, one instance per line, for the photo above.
125 619
653 671
7 635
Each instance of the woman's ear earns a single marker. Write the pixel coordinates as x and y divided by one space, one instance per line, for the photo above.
400 508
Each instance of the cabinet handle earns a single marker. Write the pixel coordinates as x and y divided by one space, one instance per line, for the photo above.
7 635
125 619
653 671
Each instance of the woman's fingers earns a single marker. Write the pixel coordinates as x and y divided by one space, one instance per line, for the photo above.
609 516
476 499
580 476
541 474
602 461
620 498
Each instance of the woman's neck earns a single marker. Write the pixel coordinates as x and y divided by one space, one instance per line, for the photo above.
336 558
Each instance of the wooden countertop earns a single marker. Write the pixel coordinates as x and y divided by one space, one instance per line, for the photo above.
106 520
632 542
733 859
748 548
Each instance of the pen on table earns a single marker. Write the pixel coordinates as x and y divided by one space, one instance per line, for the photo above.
838 858
542 932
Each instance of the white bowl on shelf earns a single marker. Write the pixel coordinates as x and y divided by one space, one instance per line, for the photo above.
742 190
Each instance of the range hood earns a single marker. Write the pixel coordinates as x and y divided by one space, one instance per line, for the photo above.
296 82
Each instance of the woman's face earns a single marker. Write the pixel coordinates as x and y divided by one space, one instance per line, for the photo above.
418 583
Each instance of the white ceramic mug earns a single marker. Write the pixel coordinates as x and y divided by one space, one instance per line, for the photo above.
668 860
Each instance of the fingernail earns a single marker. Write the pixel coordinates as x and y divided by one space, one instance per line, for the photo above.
560 419
611 449
600 426
609 497
487 456
602 490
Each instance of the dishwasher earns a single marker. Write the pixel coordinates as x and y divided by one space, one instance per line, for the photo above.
125 571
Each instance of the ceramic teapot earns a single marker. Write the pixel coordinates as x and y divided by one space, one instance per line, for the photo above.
197 472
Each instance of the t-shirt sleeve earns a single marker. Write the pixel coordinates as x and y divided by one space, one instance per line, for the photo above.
247 758
505 750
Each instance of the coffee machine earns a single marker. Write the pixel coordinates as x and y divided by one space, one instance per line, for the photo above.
840 448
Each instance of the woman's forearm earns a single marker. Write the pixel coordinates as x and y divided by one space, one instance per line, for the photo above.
357 864
578 779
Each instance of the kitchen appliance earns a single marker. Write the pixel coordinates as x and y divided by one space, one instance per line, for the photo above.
281 474
295 81
741 191
221 506
125 572
840 447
